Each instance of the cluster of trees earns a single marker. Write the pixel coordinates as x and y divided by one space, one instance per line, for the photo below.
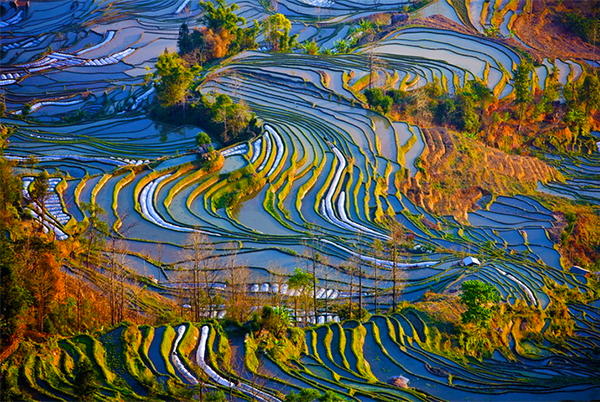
586 27
222 35
46 286
574 103
462 111
172 79
218 114
473 109
358 268
179 99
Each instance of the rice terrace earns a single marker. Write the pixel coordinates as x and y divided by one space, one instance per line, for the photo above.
300 200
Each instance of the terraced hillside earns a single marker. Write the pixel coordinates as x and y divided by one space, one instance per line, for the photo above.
355 360
324 177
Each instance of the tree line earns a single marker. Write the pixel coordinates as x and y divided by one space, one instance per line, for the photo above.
557 118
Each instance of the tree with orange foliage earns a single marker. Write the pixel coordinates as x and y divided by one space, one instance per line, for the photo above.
222 34
217 43
10 186
42 276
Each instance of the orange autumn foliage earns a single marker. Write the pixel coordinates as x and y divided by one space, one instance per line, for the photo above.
217 43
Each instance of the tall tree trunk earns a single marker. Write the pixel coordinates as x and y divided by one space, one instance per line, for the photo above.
375 295
394 278
351 292
314 272
360 288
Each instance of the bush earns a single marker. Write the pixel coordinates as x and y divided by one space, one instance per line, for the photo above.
351 311
215 396
377 100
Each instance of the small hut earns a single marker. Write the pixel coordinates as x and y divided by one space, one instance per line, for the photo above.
398 381
469 261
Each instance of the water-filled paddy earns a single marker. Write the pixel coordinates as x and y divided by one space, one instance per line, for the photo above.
325 165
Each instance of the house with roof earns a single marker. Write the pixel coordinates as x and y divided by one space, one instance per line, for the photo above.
470 261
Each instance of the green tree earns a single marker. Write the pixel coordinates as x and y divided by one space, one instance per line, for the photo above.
522 81
274 320
184 42
330 396
234 118
445 111
479 92
366 27
305 395
311 47
467 118
378 100
26 110
434 89
589 93
246 38
10 187
341 46
576 119
13 295
477 297
203 139
173 79
551 93
97 230
276 29
85 383
221 16
303 282
215 396
5 132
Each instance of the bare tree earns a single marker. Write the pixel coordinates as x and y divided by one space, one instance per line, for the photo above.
350 268
313 259
237 278
201 276
116 279
358 262
376 64
397 236
277 283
